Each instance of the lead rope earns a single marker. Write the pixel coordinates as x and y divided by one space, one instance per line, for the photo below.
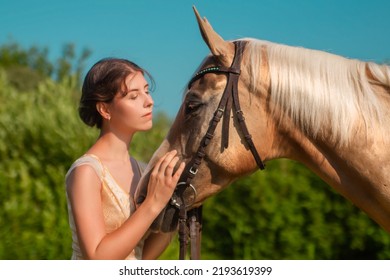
195 218
190 227
183 233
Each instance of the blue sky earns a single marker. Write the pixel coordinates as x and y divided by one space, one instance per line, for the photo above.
163 36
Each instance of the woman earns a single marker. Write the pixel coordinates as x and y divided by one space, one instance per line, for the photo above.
100 185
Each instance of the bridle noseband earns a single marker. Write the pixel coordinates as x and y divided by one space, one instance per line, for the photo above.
185 193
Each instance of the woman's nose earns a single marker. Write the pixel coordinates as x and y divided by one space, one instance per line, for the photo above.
149 101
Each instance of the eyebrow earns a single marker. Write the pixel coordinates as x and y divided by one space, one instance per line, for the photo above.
135 89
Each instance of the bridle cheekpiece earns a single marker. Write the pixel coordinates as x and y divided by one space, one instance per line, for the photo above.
185 194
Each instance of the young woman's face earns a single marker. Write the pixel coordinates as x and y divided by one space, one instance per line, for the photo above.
132 111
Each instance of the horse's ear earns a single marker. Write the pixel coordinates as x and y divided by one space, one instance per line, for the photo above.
220 48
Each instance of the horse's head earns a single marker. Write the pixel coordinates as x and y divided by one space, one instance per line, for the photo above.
216 156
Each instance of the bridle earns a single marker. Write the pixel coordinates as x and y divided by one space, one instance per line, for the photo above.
185 193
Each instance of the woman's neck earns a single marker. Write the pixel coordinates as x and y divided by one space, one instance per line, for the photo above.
111 147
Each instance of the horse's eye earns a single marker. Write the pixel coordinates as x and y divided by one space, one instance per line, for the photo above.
192 106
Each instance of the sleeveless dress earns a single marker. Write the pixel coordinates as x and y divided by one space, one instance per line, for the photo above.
117 204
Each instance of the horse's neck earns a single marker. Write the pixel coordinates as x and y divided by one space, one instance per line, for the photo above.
357 171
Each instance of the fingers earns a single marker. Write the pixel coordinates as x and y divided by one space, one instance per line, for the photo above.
164 178
166 165
158 166
178 172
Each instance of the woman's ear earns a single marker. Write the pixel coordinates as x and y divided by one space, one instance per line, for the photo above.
103 110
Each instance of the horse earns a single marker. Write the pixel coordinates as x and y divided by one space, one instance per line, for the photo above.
326 111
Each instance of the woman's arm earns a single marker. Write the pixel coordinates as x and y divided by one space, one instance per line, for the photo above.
84 194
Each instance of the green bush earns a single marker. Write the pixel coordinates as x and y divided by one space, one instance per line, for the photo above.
286 212
40 137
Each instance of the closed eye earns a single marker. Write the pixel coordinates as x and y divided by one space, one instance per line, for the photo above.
192 106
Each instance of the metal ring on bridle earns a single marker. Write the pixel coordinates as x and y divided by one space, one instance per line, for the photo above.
176 200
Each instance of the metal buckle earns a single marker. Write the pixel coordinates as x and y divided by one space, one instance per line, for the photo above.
187 198
218 114
193 171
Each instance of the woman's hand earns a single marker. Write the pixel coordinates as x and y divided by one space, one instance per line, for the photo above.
163 180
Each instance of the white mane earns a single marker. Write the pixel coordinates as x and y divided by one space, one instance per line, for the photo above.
320 90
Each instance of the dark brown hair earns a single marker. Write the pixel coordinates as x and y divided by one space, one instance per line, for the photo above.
103 81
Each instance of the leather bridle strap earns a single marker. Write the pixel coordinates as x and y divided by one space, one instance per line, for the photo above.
229 96
228 99
244 128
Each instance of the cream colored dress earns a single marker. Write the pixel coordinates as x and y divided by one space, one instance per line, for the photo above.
117 204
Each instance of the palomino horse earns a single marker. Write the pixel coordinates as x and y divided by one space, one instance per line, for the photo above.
328 112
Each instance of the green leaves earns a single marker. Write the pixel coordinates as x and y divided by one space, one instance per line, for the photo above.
287 212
